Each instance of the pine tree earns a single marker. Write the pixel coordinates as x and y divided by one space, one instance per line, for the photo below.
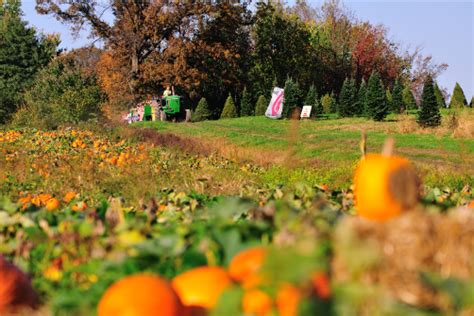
326 103
388 98
246 106
261 106
397 105
409 99
439 97
360 107
429 115
202 112
347 98
229 110
22 54
317 108
334 105
458 99
377 107
293 97
313 100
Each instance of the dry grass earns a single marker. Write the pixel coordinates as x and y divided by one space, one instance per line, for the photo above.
402 248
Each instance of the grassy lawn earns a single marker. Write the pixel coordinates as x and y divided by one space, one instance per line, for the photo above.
330 148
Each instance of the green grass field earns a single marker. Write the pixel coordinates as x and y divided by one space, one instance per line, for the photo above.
327 150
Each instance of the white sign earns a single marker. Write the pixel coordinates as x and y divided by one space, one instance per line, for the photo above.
306 112
276 104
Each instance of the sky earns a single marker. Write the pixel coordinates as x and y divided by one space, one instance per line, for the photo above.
443 29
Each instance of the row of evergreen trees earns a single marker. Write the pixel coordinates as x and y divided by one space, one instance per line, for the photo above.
371 100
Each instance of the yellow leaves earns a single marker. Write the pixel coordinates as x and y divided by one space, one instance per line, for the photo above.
130 238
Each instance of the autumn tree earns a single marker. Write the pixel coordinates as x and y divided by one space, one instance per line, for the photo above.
23 52
429 115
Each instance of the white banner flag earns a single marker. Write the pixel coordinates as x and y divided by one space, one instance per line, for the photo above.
276 104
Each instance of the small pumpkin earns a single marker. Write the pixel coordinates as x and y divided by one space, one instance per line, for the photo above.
245 266
384 186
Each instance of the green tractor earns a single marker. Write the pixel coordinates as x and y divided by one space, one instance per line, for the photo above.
171 108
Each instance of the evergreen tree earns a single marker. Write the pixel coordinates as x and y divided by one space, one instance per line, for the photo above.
347 98
458 99
429 115
334 105
202 112
397 98
439 97
472 102
229 111
317 108
261 106
293 97
388 98
409 99
246 106
313 100
360 107
377 107
22 54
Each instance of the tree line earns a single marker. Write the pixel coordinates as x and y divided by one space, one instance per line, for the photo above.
323 56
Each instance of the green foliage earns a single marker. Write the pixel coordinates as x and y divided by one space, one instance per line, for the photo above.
360 107
409 99
246 106
22 53
60 94
261 106
397 98
429 115
472 102
313 100
377 107
348 98
458 99
202 112
388 98
293 97
439 97
328 103
229 111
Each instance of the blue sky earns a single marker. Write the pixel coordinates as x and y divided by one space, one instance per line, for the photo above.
444 29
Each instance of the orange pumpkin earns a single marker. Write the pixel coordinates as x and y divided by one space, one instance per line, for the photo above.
16 291
288 299
256 302
140 295
52 204
245 266
384 186
201 287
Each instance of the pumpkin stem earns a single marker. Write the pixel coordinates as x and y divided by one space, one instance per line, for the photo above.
388 147
363 143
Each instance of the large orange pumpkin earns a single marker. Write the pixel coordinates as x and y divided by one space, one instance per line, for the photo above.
245 266
140 295
287 300
201 287
384 186
16 291
256 302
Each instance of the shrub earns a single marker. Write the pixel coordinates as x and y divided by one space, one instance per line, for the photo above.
202 111
60 94
246 106
328 103
377 107
429 115
261 106
229 111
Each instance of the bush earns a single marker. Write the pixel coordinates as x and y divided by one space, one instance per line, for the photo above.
202 112
229 111
60 94
328 103
261 106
